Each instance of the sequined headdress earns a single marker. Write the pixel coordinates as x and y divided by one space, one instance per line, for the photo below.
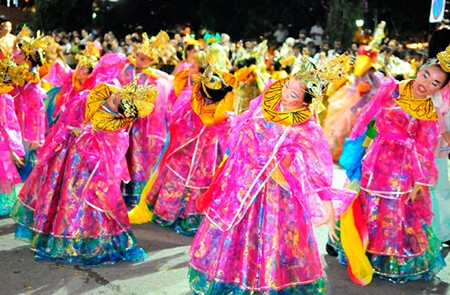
150 47
31 45
89 58
444 59
137 100
11 73
317 76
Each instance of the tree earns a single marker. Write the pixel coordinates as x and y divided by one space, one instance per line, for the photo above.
341 19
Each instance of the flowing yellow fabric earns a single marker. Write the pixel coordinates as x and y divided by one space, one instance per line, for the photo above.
215 112
354 239
141 214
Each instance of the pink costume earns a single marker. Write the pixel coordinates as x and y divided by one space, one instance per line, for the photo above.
402 245
198 129
147 134
344 107
257 235
66 86
71 205
29 106
10 141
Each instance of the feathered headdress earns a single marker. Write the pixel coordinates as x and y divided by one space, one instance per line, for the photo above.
317 76
137 100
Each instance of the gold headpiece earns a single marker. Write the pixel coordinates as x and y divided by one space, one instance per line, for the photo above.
212 79
190 40
214 55
11 73
137 100
31 45
317 76
89 58
444 59
208 79
150 47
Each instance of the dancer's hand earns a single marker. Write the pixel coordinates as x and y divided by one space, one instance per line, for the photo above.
34 145
330 221
413 194
18 161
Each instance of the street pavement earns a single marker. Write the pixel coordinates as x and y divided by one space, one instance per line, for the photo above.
165 270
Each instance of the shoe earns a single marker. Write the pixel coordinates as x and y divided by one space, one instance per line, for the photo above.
446 243
330 250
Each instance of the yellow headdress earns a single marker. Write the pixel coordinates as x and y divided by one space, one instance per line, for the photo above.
317 76
29 44
149 47
32 47
190 40
89 58
137 100
213 79
444 59
11 73
215 55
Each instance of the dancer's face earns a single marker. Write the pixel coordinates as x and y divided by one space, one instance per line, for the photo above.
142 61
82 73
114 101
293 94
429 80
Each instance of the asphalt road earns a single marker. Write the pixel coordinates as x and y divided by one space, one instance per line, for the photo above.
165 271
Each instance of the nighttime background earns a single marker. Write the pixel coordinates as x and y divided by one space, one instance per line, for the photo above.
406 19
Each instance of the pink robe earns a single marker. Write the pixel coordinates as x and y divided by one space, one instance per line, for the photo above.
10 140
258 234
401 243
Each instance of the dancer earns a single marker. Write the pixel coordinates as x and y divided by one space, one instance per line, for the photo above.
71 208
11 146
261 205
29 96
67 82
397 172
198 130
440 193
347 102
147 134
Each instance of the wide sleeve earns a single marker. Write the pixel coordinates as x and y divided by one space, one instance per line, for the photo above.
424 169
372 108
309 174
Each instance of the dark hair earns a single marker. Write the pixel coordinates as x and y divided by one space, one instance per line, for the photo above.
188 48
438 42
277 66
307 98
216 95
121 110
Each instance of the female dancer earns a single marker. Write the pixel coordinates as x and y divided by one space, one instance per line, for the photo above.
258 236
71 208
